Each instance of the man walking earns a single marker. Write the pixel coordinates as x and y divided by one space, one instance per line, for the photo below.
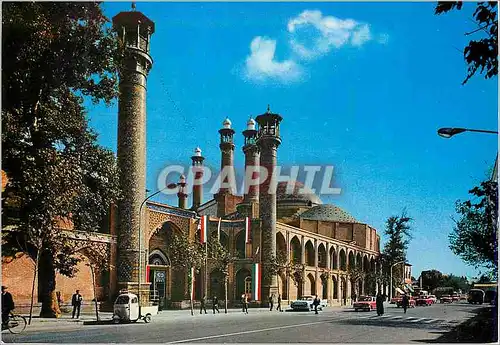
203 301
278 307
7 305
315 304
271 302
76 302
215 304
405 302
244 302
380 304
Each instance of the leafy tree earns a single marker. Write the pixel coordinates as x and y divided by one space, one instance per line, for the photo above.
474 237
398 231
431 279
480 55
457 283
278 265
184 255
222 259
57 53
355 275
297 274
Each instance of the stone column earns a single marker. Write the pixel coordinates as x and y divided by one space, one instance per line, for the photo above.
268 142
328 261
134 31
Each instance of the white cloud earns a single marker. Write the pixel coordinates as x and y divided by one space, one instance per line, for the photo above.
314 35
262 65
311 35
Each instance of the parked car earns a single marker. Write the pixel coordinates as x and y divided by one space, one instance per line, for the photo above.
367 303
475 296
395 300
306 303
455 297
424 301
412 303
446 299
432 298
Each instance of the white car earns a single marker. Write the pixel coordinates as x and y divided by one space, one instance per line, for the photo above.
433 298
306 303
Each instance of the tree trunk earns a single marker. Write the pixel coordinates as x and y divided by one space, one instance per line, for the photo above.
95 295
191 291
225 295
33 285
50 306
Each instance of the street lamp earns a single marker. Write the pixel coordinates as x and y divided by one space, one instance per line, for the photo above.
169 186
390 292
449 132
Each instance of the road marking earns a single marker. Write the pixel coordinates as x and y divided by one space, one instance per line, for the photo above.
418 320
249 332
431 321
410 318
396 317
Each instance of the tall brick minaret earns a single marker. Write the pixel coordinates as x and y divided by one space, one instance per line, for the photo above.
198 177
227 168
134 31
250 205
268 142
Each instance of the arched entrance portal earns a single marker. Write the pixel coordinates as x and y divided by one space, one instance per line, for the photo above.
243 283
159 276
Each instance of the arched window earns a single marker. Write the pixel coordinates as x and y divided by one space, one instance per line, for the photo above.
157 257
248 285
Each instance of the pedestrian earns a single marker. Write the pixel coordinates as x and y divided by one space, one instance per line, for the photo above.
380 304
271 302
316 303
76 302
244 302
278 306
405 302
203 301
215 304
355 298
7 305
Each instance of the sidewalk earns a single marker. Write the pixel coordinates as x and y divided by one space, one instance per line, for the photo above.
66 322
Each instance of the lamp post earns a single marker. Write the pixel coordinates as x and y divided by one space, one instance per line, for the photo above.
390 292
449 132
169 186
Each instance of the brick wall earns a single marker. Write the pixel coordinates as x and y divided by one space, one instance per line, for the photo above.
17 275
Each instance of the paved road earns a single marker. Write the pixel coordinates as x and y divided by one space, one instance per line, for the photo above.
333 325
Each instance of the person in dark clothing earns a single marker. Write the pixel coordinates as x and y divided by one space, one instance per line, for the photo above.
203 302
354 298
278 306
7 305
76 302
315 304
271 302
215 304
244 302
380 304
405 302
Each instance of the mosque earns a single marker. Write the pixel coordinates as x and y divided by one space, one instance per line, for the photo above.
324 239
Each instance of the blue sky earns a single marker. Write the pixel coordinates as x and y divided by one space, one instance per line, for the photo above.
361 86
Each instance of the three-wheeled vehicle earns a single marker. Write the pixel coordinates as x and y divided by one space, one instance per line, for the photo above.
127 309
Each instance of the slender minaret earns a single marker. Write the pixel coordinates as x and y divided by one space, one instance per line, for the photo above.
181 194
252 156
268 142
198 177
134 31
226 167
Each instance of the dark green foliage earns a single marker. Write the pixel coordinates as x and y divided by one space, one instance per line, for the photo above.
481 55
398 231
53 53
474 237
431 279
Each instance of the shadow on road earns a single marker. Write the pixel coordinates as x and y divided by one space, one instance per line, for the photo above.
482 328
398 323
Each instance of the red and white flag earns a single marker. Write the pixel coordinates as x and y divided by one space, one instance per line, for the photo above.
192 283
218 229
247 230
203 229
